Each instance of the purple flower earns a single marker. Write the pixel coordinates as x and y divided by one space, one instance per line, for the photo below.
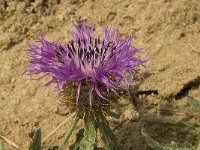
86 58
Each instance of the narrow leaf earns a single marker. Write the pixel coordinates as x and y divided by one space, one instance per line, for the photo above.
151 142
79 137
171 123
68 133
107 136
36 140
89 140
194 103
157 146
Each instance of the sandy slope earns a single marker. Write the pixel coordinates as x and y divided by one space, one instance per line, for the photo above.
169 30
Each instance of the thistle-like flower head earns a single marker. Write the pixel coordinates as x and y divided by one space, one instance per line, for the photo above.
87 59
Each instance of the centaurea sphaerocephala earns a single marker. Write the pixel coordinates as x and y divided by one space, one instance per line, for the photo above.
86 58
88 71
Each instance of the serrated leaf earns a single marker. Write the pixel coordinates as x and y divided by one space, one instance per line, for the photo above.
79 137
36 140
1 145
68 132
89 140
194 103
114 115
171 123
157 146
107 136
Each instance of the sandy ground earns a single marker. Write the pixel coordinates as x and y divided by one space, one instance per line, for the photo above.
169 30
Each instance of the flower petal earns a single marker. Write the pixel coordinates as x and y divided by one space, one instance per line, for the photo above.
78 94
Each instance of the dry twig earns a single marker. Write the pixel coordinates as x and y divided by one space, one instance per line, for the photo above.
52 132
9 142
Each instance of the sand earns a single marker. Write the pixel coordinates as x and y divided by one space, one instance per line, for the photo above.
169 32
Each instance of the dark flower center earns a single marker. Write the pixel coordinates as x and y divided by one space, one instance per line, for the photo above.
87 55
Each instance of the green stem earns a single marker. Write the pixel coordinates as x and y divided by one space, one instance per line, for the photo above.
89 140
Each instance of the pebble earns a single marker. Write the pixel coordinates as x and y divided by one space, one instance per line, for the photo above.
16 120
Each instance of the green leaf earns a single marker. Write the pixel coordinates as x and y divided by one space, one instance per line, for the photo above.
79 137
36 140
1 145
157 146
107 136
114 115
151 142
89 140
194 103
69 131
171 123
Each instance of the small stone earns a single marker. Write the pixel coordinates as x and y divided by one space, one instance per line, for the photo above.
16 120
36 122
56 110
12 80
130 114
38 116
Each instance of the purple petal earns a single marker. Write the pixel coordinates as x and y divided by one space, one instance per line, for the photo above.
90 94
98 93
78 94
